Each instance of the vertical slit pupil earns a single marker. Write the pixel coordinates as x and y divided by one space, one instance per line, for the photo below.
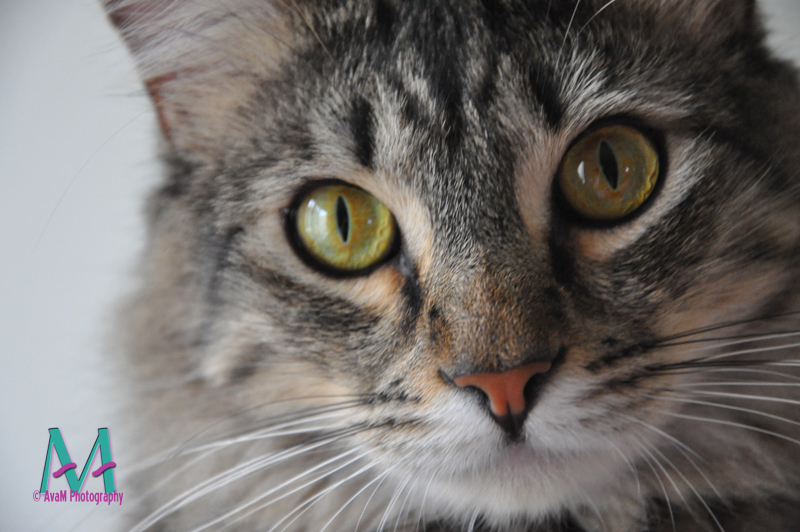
343 219
608 163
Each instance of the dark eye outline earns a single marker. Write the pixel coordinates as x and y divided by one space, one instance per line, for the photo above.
289 215
656 137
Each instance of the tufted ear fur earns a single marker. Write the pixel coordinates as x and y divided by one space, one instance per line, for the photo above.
201 63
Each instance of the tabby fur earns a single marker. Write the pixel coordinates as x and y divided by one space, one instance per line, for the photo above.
274 396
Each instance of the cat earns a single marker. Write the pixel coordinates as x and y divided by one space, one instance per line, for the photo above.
466 265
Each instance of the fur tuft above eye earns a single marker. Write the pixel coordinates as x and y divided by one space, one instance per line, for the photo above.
344 229
609 173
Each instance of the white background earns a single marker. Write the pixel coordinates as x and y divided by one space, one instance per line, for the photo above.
77 156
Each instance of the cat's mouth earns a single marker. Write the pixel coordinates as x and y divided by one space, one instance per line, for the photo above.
519 452
522 480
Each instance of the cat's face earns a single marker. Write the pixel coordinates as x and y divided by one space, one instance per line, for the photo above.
459 118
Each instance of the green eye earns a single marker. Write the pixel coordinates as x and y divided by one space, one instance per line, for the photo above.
344 228
609 173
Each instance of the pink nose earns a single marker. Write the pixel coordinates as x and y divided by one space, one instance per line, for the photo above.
505 390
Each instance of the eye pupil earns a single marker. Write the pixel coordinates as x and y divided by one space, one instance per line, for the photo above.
609 172
342 229
343 219
608 163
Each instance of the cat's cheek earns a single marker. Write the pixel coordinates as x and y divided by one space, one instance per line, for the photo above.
720 297
378 292
292 380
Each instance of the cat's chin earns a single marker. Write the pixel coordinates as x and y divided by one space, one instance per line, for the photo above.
523 483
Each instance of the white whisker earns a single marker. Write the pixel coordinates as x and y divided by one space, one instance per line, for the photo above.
730 424
393 500
593 17
183 450
630 464
592 505
424 498
731 407
751 370
359 492
739 383
240 471
299 488
273 432
283 485
316 498
663 434
403 506
663 488
747 396
729 342
174 474
691 487
360 517
753 351
701 472
666 474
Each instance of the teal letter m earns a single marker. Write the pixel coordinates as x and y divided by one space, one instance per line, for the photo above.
68 466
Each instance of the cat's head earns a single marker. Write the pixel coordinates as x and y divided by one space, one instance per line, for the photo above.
477 234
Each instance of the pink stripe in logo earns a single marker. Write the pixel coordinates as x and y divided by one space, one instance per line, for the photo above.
101 470
63 469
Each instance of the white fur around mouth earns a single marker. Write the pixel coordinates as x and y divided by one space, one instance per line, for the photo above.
520 482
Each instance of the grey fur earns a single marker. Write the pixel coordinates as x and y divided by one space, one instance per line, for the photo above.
456 116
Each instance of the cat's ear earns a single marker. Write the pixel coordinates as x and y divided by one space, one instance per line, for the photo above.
202 62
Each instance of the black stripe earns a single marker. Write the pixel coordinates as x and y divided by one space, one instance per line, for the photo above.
544 90
361 125
384 21
612 357
305 308
223 244
561 262
447 92
412 293
412 108
496 15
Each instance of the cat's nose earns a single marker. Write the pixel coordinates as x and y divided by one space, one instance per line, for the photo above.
506 392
